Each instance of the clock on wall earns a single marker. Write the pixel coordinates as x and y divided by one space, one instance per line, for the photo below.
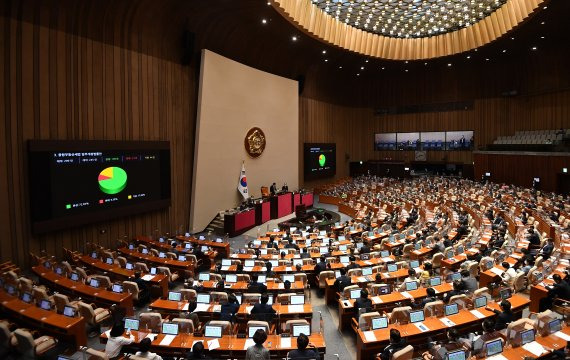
421 156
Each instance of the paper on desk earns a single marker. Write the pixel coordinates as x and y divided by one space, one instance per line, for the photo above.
247 269
477 314
225 268
418 270
376 300
147 277
281 286
369 335
421 326
185 307
295 308
217 308
436 290
213 344
406 294
288 268
387 259
285 342
167 339
447 322
497 357
535 348
202 307
497 271
367 262
248 343
386 275
248 309
151 336
108 333
516 256
361 279
562 335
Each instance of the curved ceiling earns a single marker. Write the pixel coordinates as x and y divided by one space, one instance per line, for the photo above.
400 30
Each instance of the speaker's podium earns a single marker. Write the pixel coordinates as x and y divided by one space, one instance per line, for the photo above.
281 205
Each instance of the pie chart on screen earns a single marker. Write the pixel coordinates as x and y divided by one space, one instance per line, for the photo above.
112 180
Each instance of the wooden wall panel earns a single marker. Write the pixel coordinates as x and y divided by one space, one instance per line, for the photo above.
60 85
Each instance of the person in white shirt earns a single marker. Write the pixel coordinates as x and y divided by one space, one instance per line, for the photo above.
144 352
509 274
117 340
411 278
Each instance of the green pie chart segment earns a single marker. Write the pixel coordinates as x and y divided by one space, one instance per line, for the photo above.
322 160
112 180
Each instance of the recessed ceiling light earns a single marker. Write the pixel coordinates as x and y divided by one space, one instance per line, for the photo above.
383 68
263 21
362 68
324 51
486 59
542 23
340 67
476 50
358 74
542 37
406 70
294 38
268 3
512 37
425 63
544 8
534 48
448 64
366 60
504 50
469 56
406 61
326 60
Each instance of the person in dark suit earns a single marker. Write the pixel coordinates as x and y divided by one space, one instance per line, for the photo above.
547 249
262 311
255 286
504 317
290 245
144 292
457 290
229 308
321 265
342 281
352 264
365 249
429 298
273 189
302 353
197 352
305 254
285 187
396 344
269 273
560 289
363 302
533 237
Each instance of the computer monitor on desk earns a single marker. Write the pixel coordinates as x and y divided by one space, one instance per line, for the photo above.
132 324
479 302
416 316
411 285
174 296
203 298
252 329
290 278
297 300
231 278
301 329
117 288
392 267
451 309
226 262
554 326
493 347
213 331
456 355
527 336
69 311
355 293
170 328
379 323
435 281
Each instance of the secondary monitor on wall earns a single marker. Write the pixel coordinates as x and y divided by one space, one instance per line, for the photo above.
320 161
408 141
73 183
385 141
434 140
459 140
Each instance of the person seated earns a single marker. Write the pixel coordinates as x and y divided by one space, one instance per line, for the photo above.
262 311
305 254
533 238
504 317
457 290
258 351
439 351
429 298
190 314
476 341
229 308
470 284
365 249
509 274
560 289
396 343
144 292
287 285
290 245
411 276
363 302
144 350
426 273
547 249
342 281
197 352
302 353
255 286
321 265
352 264
269 272
117 340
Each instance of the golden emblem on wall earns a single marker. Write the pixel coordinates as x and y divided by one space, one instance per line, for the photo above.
254 142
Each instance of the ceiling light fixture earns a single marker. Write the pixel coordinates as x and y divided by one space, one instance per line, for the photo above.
294 38
263 21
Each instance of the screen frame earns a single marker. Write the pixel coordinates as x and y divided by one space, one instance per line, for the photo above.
311 176
36 166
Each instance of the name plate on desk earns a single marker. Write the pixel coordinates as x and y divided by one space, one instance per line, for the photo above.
369 335
421 326
376 300
295 308
447 322
167 340
477 314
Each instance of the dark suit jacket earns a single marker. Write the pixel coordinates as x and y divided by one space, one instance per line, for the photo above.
362 303
503 319
561 290
263 312
342 282
257 287
307 354
321 266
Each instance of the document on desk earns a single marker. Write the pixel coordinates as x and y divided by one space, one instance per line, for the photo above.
447 322
497 271
247 269
477 314
248 309
361 279
295 308
421 326
213 344
248 343
281 286
285 342
562 335
167 339
147 277
376 300
217 308
386 275
202 307
185 307
406 294
367 262
369 335
497 357
225 268
387 259
535 348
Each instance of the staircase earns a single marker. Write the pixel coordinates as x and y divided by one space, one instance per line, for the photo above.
216 226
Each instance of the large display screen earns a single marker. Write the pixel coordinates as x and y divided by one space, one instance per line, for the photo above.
459 140
408 141
320 160
385 141
433 140
78 182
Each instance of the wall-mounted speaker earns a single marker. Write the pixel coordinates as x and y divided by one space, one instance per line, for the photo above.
188 40
301 80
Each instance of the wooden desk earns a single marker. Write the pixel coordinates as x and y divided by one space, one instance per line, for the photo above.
550 342
242 286
101 297
386 303
47 322
222 248
464 321
229 346
421 253
172 264
116 272
167 247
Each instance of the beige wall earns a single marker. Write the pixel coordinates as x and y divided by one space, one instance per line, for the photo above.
232 99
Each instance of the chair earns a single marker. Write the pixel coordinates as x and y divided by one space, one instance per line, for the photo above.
122 261
142 267
96 355
132 288
151 321
289 324
483 263
484 291
346 291
373 288
301 277
25 284
251 298
365 320
185 326
354 272
434 308
407 250
188 294
104 281
404 354
29 347
82 273
519 282
39 293
516 326
94 317
171 276
264 191
218 296
215 277
61 301
400 315
284 298
323 276
5 339
257 323
461 300
436 260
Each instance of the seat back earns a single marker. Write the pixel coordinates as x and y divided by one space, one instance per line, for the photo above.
400 315
226 326
365 320
132 288
104 281
404 354
243 277
354 272
188 294
96 355
185 326
250 298
5 336
60 301
484 291
346 291
140 266
323 276
151 321
460 300
436 259
434 308
301 277
26 345
519 282
218 296
290 323
87 312
39 293
122 261
257 323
